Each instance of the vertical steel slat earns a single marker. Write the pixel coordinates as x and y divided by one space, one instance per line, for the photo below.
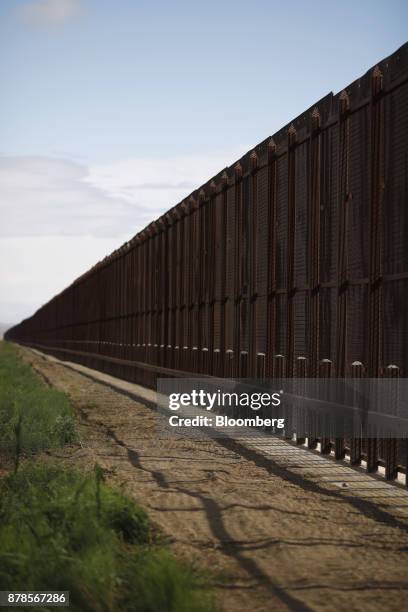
314 239
389 445
301 372
236 255
375 263
251 267
271 278
290 250
342 243
325 371
357 373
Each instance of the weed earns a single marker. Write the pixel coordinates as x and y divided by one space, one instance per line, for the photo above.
33 417
55 534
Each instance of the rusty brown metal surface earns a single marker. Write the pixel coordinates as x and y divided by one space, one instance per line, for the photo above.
293 261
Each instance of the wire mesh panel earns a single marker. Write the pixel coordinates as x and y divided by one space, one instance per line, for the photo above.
261 325
327 323
357 329
230 262
281 221
301 335
280 324
217 325
262 234
358 202
243 311
245 208
230 269
329 206
220 244
396 323
302 214
396 184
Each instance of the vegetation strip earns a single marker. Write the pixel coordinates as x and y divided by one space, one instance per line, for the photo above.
33 417
63 530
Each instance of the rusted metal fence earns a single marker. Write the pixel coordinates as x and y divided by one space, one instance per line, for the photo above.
291 262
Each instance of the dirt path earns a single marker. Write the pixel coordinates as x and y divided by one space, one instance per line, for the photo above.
281 541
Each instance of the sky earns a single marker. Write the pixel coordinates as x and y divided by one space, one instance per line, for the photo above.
112 111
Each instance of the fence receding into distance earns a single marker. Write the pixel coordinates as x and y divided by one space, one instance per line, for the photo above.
293 261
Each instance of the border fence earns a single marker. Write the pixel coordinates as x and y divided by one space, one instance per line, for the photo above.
291 262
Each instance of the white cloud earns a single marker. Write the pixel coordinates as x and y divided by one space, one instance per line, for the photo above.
41 196
59 217
157 184
50 12
34 269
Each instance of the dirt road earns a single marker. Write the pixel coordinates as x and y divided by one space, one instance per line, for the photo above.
281 540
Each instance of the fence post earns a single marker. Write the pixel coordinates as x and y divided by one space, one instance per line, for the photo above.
217 362
390 444
301 368
325 368
260 366
357 373
243 364
205 365
229 363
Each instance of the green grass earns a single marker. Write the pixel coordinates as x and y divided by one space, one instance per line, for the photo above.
61 530
64 530
32 416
